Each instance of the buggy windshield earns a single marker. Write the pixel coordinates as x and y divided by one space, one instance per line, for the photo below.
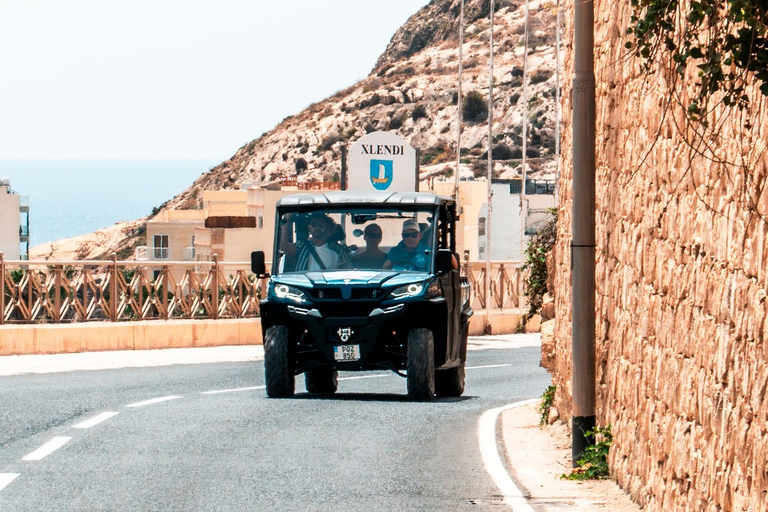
347 238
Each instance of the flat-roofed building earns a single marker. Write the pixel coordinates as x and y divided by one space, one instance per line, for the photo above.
14 223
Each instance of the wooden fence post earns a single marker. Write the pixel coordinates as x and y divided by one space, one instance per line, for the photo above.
113 289
2 288
57 293
215 286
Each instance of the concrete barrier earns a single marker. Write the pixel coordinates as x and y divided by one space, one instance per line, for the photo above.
142 335
26 339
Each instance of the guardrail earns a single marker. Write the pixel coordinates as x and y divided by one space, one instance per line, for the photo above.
111 290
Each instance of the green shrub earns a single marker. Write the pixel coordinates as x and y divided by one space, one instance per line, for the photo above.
418 113
475 108
536 263
397 121
593 464
547 400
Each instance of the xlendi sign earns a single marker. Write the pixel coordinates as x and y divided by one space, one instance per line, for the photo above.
382 161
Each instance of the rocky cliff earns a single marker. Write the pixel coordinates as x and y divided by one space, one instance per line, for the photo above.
411 91
682 270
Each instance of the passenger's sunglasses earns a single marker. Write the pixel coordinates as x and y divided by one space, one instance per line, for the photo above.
410 235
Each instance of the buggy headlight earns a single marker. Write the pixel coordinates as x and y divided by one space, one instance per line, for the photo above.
283 291
409 290
433 289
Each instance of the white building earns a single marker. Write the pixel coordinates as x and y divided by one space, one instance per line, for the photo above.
508 242
14 223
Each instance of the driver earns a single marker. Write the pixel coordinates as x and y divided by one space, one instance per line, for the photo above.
410 253
320 251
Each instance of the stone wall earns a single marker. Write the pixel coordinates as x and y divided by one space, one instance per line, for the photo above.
682 223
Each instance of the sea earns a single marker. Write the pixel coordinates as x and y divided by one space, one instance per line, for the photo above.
68 198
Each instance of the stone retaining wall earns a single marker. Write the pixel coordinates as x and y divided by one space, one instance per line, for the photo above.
682 371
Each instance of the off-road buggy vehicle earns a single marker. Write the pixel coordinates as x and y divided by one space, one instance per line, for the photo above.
410 314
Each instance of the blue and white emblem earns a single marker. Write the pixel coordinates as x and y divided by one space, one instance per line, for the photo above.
381 174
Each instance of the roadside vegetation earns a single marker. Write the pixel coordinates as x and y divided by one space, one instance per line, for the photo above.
593 465
536 264
547 400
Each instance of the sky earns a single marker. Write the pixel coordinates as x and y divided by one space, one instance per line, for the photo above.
175 79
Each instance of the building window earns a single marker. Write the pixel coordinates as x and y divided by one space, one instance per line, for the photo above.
160 247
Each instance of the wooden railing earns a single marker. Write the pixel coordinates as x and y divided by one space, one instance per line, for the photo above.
111 290
505 283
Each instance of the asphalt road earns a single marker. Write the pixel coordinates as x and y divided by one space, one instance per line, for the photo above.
205 437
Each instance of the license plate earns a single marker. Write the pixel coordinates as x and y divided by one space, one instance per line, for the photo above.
346 352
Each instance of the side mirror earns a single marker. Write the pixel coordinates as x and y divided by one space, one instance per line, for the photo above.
444 263
258 266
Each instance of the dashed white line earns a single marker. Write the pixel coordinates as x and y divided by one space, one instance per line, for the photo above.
487 366
235 390
154 401
7 478
486 427
48 448
99 418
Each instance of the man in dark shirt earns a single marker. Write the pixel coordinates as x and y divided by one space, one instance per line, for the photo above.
410 253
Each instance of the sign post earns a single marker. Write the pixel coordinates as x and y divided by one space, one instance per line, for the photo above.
383 161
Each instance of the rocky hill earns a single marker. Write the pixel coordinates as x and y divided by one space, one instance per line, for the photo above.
412 91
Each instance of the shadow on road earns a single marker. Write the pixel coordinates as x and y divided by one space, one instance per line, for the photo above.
373 397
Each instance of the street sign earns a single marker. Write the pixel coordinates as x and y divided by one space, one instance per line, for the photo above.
382 161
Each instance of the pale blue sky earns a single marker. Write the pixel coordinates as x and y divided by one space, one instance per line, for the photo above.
177 79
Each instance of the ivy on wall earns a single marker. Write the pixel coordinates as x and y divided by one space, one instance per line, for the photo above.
726 41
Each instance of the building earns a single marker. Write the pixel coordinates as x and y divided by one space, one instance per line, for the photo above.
14 223
231 224
508 241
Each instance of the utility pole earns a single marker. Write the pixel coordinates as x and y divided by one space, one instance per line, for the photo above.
490 187
583 230
523 200
458 118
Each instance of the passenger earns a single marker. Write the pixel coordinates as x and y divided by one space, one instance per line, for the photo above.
410 253
372 256
320 251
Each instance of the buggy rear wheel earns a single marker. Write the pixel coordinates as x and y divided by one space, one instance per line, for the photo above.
321 380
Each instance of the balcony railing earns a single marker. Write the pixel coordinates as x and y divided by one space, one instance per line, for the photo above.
161 253
111 290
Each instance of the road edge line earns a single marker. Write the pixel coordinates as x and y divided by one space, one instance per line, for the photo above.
486 428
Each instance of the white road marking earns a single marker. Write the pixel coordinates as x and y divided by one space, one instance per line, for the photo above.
486 429
48 448
365 377
95 420
236 390
487 366
7 478
154 401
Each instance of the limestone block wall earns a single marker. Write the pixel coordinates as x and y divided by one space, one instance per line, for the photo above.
682 263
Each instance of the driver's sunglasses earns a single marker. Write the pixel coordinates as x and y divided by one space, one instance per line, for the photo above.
372 235
410 235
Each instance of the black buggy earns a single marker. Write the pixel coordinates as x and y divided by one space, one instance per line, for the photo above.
365 281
